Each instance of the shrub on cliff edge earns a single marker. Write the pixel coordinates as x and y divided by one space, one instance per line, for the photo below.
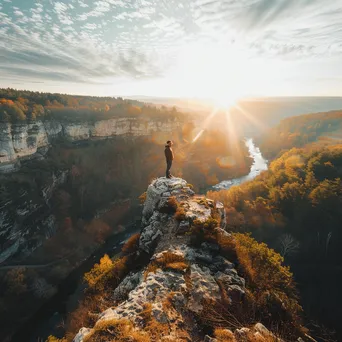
131 245
107 272
271 293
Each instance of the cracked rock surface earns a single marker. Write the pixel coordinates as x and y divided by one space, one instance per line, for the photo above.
184 277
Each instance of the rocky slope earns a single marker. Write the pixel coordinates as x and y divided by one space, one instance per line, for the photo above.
26 140
26 217
166 300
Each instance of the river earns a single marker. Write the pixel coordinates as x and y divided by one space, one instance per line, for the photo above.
259 165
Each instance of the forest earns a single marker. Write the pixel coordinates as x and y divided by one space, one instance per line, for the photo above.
298 131
21 106
295 208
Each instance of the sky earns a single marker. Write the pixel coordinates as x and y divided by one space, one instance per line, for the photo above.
186 48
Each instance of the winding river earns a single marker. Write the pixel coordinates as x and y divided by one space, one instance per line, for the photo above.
259 165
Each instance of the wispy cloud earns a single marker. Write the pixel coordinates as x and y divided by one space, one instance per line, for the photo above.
94 41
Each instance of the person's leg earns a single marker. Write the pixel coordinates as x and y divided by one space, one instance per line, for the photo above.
168 167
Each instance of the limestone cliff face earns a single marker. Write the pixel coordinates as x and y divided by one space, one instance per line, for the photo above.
26 218
175 295
26 140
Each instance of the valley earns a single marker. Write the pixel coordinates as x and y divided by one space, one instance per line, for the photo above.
71 197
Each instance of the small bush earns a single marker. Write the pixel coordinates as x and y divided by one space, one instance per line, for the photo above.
172 203
142 197
170 206
203 231
180 214
131 245
224 335
106 273
119 330
55 339
177 266
203 201
151 268
168 260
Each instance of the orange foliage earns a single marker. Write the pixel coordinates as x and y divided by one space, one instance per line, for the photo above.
131 244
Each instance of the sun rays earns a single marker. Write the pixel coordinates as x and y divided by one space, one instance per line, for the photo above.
228 116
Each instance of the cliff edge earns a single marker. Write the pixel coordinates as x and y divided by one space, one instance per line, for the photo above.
22 141
186 289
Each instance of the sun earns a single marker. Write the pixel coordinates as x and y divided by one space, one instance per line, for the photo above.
217 73
225 101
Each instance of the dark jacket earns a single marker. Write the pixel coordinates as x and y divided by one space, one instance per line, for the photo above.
168 153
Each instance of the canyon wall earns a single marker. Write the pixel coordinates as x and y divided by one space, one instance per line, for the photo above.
26 216
24 141
26 212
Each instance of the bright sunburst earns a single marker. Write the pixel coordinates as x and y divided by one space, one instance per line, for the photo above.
225 101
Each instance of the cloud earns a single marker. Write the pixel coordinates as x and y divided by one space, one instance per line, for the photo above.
61 9
40 53
89 26
89 41
82 4
18 13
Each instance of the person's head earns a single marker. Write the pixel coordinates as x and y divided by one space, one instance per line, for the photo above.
169 143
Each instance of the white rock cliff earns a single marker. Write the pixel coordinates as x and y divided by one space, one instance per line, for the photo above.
26 140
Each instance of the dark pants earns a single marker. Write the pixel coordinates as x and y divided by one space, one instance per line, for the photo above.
168 167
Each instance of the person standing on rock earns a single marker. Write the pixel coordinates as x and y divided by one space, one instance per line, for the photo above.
169 158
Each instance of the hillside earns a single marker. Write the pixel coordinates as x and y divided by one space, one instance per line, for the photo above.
30 122
321 128
185 278
295 207
21 105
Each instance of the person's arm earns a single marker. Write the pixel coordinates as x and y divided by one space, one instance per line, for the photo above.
172 155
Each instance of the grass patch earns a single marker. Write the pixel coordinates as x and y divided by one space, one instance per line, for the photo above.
224 335
119 330
167 260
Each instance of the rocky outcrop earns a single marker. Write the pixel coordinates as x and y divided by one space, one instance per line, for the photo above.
185 279
26 218
28 140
